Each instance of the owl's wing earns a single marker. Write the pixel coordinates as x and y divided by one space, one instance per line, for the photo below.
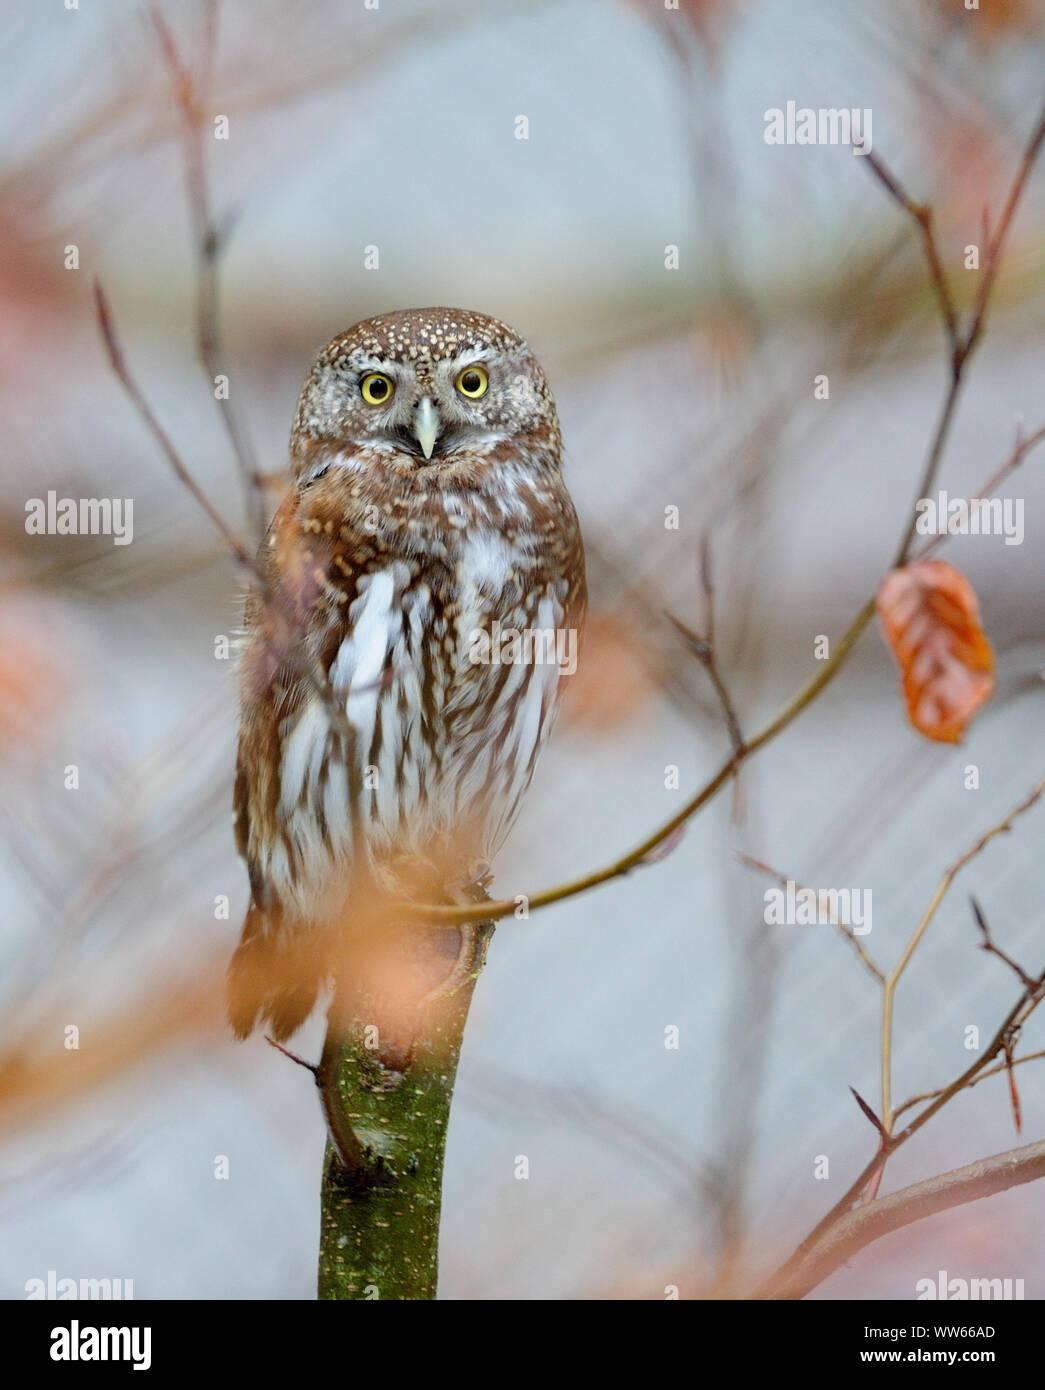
530 696
319 647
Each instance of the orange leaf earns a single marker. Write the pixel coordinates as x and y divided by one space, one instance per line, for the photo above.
931 620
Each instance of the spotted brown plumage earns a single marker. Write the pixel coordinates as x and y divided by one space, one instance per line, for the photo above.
428 508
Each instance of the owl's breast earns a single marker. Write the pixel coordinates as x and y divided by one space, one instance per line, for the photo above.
448 672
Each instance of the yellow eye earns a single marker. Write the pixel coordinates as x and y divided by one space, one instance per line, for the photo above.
377 388
472 382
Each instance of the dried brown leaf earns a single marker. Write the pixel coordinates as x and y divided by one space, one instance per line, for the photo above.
931 621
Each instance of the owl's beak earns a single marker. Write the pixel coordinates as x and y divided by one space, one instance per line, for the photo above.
426 425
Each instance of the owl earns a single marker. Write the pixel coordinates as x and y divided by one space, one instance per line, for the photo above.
403 661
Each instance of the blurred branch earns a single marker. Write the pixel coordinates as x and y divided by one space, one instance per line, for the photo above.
192 98
127 381
38 1078
703 648
923 216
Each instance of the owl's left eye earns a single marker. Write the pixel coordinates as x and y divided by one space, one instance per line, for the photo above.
472 382
377 388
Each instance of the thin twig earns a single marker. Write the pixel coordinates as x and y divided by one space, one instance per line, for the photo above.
988 944
1022 447
844 927
993 1071
893 978
192 98
301 1061
923 216
963 341
119 366
704 652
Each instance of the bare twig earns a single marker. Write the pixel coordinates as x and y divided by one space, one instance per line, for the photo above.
988 944
704 652
119 366
923 216
1000 1045
301 1061
962 339
313 670
844 927
893 978
192 97
975 1081
1021 448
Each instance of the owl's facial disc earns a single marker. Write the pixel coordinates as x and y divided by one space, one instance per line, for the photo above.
437 389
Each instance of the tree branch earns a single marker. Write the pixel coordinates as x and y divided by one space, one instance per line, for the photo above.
869 1223
380 1218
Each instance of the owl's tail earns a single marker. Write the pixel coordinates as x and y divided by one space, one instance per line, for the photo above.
273 976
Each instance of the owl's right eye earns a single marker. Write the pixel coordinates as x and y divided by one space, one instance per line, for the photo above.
377 388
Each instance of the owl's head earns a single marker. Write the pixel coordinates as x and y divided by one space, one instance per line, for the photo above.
424 389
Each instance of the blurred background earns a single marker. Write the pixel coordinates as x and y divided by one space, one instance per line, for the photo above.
395 127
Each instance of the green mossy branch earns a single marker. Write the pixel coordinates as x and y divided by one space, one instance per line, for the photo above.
379 1235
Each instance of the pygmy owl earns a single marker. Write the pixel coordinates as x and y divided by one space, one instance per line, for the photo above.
384 722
